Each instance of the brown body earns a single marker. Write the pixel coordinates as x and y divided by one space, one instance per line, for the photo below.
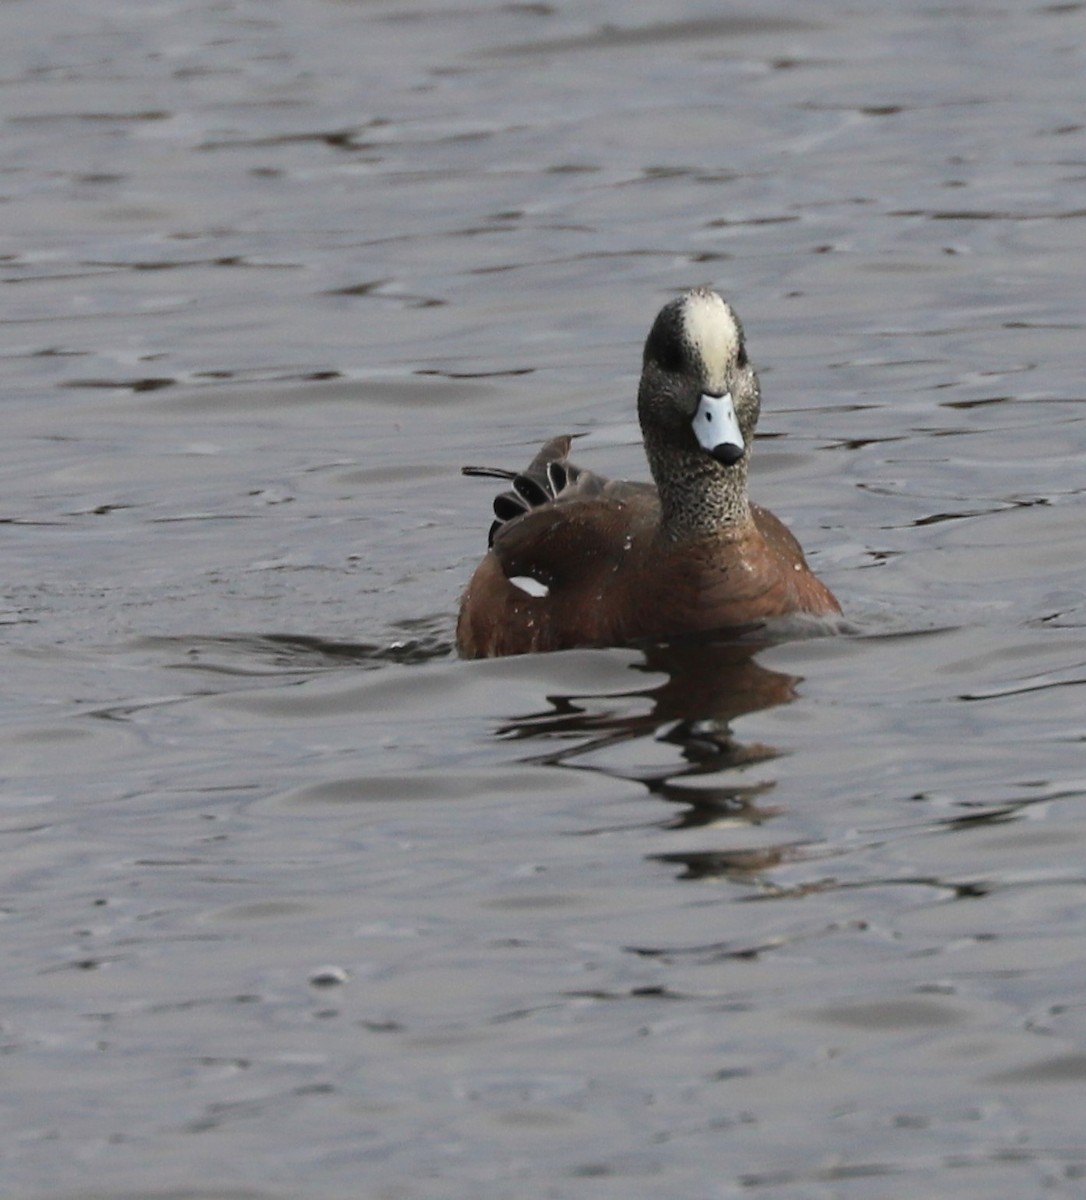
614 577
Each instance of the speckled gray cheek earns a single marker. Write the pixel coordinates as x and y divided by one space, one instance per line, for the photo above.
748 398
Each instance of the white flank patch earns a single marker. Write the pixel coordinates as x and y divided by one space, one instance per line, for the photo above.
710 328
530 586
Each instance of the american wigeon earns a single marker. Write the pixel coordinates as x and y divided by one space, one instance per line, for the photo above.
579 560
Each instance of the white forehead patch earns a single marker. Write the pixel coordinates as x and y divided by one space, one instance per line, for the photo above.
711 330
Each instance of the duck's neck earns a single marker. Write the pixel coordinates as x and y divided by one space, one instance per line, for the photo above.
699 498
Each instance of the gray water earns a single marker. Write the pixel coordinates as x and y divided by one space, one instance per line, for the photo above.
299 905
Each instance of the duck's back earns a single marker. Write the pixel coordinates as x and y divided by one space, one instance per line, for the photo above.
563 574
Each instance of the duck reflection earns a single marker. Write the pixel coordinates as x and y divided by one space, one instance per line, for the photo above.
706 686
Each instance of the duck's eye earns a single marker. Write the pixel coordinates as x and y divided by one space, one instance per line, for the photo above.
670 357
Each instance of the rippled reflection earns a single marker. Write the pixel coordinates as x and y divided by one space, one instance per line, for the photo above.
706 686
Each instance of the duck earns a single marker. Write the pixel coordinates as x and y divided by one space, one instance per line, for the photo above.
575 559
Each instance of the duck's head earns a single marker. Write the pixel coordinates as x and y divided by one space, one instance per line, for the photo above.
698 393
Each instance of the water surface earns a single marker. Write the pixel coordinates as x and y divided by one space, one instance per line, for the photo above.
299 905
